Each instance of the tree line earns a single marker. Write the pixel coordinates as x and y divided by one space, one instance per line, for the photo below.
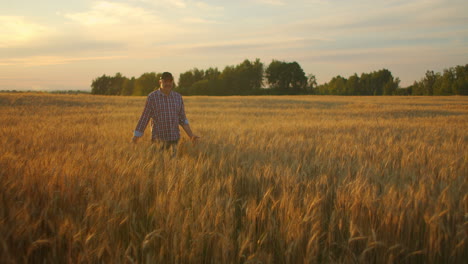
284 78
452 81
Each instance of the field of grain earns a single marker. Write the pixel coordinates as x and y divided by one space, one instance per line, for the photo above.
298 179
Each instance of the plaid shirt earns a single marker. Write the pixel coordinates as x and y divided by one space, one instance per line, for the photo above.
166 113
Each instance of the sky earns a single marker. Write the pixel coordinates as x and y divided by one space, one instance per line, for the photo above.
64 45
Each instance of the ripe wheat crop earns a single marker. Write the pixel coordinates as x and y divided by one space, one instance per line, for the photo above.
298 179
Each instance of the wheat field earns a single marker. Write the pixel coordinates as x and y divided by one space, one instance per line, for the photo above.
286 179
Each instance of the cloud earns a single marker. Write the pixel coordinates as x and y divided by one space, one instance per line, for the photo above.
102 31
135 26
62 45
198 20
242 45
163 4
16 30
203 6
51 60
178 5
111 13
272 2
395 23
369 16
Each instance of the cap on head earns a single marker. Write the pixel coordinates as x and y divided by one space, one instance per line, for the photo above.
166 76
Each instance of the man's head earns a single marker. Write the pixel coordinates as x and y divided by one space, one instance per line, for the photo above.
166 81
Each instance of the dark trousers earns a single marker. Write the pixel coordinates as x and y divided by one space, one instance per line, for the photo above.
166 145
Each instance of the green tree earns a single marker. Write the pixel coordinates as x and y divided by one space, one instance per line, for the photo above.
374 83
188 78
116 84
445 83
365 84
311 84
417 89
249 76
212 74
352 85
207 87
428 82
101 85
243 79
380 80
146 83
288 78
453 81
273 74
404 91
128 86
461 83
391 86
337 85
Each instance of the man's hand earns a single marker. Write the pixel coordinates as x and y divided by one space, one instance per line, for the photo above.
194 138
135 139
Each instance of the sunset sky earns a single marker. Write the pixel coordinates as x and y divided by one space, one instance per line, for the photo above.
64 45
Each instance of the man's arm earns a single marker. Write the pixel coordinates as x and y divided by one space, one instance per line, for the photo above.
143 122
185 124
189 132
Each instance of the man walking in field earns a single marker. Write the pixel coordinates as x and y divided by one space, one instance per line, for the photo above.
166 109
